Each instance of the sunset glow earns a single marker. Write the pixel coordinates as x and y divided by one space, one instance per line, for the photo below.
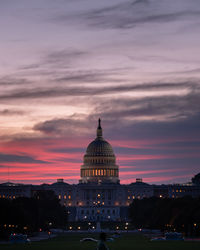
64 64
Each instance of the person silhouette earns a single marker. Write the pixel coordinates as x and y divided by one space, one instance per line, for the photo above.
101 243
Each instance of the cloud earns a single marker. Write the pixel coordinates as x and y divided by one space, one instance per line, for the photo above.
18 158
164 108
65 56
70 126
7 81
95 90
160 115
67 150
95 76
133 13
184 72
53 63
11 112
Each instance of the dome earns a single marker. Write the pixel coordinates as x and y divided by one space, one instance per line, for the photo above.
99 163
99 147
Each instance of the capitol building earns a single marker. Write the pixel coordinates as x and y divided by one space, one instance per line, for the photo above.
99 196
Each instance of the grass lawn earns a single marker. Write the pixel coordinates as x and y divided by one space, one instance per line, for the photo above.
125 242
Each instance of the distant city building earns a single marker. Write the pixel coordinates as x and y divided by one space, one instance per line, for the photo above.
99 196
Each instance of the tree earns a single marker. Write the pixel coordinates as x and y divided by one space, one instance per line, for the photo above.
196 179
181 214
24 215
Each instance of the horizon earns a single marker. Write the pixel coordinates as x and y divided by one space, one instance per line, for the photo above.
66 63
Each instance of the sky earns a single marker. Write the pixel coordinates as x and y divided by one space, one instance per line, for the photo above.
65 63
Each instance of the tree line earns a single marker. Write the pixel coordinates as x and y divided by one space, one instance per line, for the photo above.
25 215
180 214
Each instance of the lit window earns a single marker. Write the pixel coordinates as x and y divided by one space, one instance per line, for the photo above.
59 196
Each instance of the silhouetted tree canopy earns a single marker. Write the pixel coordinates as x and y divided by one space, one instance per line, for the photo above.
196 179
181 214
31 214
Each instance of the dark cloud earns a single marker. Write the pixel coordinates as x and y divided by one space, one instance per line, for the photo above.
53 64
95 76
10 112
185 72
166 109
18 158
165 149
9 81
145 116
96 90
68 160
30 66
60 127
63 56
159 164
132 13
67 150
184 130
158 135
